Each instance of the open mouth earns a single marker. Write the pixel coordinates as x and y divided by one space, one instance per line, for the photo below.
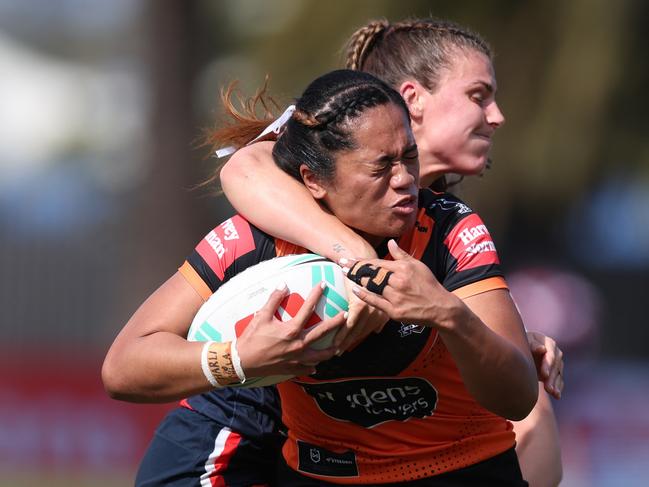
406 205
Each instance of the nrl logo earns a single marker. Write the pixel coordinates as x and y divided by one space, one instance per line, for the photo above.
410 328
315 455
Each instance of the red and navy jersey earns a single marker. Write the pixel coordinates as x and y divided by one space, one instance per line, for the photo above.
394 408
227 250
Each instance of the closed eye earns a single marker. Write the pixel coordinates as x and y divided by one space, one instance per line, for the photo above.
482 93
411 154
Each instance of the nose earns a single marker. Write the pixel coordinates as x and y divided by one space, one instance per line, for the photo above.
404 175
494 116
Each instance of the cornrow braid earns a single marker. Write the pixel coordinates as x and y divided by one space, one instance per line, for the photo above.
305 119
340 110
322 124
444 28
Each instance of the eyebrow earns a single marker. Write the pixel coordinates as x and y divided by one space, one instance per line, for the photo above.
390 157
487 86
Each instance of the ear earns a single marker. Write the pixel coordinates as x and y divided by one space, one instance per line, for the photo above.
311 182
412 93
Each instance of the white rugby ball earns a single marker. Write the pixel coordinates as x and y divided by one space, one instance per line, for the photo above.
228 311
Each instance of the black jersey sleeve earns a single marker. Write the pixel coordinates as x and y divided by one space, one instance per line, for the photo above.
229 249
465 251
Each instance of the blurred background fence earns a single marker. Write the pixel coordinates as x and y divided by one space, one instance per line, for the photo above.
102 105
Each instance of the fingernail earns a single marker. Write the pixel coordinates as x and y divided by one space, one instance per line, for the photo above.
323 285
346 315
281 286
345 270
356 289
342 261
339 352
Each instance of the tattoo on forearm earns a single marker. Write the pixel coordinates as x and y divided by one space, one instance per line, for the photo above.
339 249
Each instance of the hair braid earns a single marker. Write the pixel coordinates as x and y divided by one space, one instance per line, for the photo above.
339 110
306 119
323 122
362 40
410 49
445 29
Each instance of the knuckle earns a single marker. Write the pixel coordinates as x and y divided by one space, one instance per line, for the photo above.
295 347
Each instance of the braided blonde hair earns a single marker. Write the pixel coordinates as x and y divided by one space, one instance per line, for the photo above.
410 49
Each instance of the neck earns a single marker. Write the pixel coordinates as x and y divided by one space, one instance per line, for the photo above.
430 169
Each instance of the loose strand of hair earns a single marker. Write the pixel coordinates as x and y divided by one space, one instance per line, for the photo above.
241 125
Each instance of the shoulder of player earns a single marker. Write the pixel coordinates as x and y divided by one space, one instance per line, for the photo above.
236 230
443 205
252 153
232 243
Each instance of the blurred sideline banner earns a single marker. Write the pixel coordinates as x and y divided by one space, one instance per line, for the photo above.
55 416
56 419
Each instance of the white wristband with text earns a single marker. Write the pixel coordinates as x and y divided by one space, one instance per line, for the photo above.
206 367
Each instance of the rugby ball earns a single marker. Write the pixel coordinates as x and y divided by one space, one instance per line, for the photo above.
228 311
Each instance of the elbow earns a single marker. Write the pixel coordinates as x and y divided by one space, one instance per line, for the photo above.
526 399
110 379
122 383
521 409
113 379
516 399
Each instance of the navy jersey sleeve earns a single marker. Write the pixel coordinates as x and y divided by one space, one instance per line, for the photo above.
465 252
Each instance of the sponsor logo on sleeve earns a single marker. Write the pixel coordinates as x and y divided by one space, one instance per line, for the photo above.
316 460
471 244
229 230
371 402
220 248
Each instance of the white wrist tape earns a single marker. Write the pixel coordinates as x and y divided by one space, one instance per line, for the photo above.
236 361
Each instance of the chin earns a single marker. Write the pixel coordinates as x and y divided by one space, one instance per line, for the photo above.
403 227
473 167
388 231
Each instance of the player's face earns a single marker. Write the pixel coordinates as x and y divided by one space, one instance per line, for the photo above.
459 119
374 189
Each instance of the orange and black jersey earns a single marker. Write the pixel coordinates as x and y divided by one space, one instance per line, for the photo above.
394 408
